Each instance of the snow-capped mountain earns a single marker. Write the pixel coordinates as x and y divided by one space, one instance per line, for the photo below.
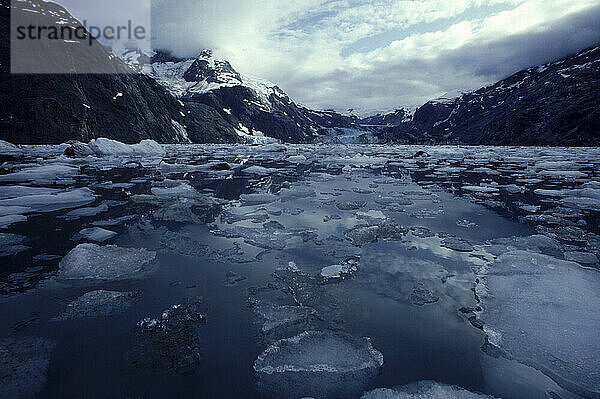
553 104
258 110
56 108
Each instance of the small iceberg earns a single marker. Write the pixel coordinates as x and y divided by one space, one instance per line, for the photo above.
319 364
95 262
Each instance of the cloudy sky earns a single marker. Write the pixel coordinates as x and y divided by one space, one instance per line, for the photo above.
377 54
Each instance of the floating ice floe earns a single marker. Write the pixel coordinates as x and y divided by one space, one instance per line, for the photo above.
457 244
98 304
53 202
543 312
9 151
424 390
104 147
179 211
169 344
41 174
94 262
258 199
96 234
175 189
23 365
341 271
583 258
87 211
9 220
10 244
351 205
277 318
361 235
22 191
319 364
274 147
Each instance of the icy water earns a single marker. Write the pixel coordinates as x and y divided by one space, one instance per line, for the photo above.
301 271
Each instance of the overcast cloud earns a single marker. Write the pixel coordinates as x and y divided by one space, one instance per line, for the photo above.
377 54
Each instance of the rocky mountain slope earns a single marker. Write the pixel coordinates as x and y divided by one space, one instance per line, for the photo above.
556 104
257 110
44 108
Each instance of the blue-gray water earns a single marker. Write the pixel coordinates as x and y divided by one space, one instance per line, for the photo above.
258 230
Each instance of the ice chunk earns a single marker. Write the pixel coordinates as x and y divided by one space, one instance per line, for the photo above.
318 364
87 212
481 189
175 190
457 244
22 191
179 211
276 317
42 174
9 244
9 151
13 210
258 170
98 304
96 234
273 148
422 296
351 205
23 365
536 243
103 147
257 198
53 202
544 312
361 235
424 390
8 220
91 261
584 258
115 221
169 343
341 271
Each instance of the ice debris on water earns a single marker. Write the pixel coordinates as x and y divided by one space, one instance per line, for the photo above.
424 390
232 278
103 147
9 151
95 234
457 244
23 365
421 295
543 311
320 364
98 304
41 174
94 262
351 205
10 244
170 343
341 271
278 317
53 202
